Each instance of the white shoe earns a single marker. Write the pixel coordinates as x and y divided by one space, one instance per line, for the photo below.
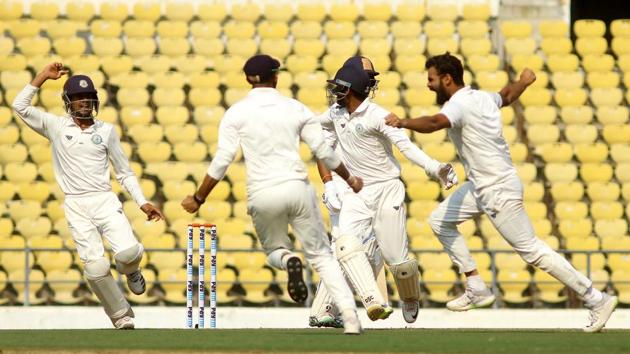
351 323
136 283
471 300
124 323
410 311
600 313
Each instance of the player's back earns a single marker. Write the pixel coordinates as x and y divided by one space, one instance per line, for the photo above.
478 136
268 127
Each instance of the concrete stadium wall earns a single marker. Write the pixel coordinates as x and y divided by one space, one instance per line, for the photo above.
53 317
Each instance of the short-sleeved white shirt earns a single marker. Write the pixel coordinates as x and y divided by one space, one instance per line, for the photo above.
477 133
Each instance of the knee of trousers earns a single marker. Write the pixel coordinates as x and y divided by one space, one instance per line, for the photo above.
539 255
442 228
347 246
127 260
96 269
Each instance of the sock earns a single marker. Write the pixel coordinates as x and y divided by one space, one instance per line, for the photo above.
277 258
593 296
476 283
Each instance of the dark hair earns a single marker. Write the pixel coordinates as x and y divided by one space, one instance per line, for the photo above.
447 64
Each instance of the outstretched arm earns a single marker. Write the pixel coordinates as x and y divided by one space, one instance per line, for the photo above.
513 91
425 124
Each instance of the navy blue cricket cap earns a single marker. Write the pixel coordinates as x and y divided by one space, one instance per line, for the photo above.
353 77
260 67
360 62
78 84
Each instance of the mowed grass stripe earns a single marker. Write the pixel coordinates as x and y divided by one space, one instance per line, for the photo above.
290 340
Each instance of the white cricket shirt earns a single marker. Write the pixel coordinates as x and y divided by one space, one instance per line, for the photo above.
268 127
364 142
477 133
80 157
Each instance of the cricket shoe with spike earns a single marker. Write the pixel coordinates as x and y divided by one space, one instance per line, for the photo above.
471 300
600 313
136 283
326 320
296 285
388 310
351 323
410 311
124 323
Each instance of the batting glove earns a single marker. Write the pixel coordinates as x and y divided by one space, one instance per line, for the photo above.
447 175
330 197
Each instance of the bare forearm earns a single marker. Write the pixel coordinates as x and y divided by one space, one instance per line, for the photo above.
324 172
512 92
206 187
39 79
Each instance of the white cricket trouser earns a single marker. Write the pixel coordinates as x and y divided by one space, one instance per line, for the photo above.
503 204
94 214
295 203
379 206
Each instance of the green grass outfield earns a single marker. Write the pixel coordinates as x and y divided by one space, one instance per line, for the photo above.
315 340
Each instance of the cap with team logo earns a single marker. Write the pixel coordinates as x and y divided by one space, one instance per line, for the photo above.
78 84
260 67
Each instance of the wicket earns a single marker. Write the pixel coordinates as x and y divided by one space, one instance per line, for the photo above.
201 275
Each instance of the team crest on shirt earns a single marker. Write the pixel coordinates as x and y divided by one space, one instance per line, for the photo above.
96 139
359 129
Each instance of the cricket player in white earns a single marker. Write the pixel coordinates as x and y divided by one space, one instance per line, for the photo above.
473 120
365 141
268 127
323 311
81 149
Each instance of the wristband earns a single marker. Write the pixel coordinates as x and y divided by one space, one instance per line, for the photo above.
327 178
198 200
351 180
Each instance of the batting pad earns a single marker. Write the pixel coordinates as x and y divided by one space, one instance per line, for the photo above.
100 280
355 264
127 260
407 282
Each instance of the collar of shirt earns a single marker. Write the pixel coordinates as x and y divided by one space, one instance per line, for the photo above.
359 111
259 90
90 129
460 91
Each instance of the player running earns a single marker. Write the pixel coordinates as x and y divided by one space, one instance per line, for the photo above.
357 126
473 120
323 311
268 127
81 147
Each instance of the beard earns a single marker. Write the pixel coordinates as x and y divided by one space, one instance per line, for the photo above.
441 95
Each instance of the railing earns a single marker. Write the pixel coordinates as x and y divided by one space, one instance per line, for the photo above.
491 252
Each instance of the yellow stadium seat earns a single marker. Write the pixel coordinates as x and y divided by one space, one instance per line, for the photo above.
146 11
581 134
439 29
168 97
151 133
540 114
17 278
429 260
154 152
611 227
596 172
311 11
13 153
598 62
562 62
556 45
575 228
246 12
437 46
133 115
190 152
256 284
172 29
620 45
442 11
622 172
567 80
70 46
522 61
514 283
606 97
616 134
621 282
570 97
536 97
569 210
553 28
104 28
410 11
476 11
37 190
589 28
115 65
439 282
174 47
24 28
306 29
550 289
516 29
171 281
179 11
33 46
406 29
428 190
539 134
339 30
520 46
373 29
64 283
576 115
603 79
599 191
344 12
11 10
567 191
475 46
140 47
407 63
591 153
606 210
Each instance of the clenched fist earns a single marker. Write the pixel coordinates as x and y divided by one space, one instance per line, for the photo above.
527 77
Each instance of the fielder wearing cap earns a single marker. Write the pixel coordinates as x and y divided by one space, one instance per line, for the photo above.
267 126
81 150
356 127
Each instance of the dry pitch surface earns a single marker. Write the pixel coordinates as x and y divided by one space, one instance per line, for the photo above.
315 340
